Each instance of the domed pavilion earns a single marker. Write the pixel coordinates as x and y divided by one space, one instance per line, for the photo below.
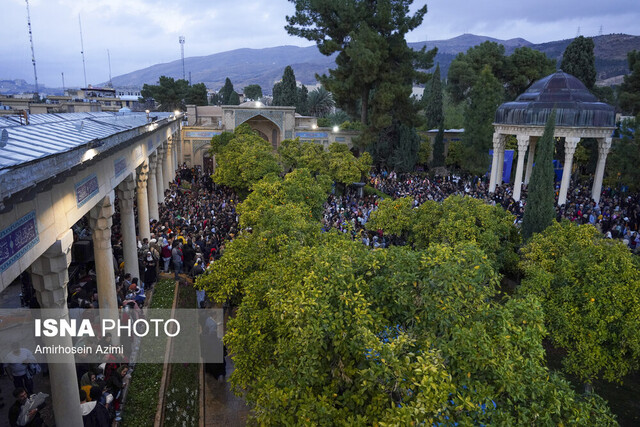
579 115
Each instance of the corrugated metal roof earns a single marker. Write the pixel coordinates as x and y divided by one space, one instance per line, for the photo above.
49 134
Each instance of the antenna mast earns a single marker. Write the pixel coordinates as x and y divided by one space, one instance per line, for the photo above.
84 68
109 58
181 40
63 89
33 55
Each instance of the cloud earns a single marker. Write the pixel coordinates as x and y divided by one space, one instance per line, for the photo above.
140 33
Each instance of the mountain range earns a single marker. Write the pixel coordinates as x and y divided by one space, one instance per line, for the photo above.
265 66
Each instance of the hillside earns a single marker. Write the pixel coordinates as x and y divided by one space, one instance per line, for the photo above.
265 66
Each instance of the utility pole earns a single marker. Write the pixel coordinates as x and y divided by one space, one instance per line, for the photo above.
84 68
181 40
33 55
109 58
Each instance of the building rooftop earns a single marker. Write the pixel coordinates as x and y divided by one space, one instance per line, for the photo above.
575 105
50 134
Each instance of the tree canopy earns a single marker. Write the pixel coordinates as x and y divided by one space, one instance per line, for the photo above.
320 102
589 289
227 92
515 72
484 99
579 60
375 66
253 92
243 158
630 88
170 94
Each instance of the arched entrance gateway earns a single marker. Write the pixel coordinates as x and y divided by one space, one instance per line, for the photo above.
272 123
579 115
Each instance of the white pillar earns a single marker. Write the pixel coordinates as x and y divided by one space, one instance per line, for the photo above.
570 144
532 155
498 145
500 164
50 277
523 144
126 191
100 220
159 176
604 145
152 188
168 172
142 173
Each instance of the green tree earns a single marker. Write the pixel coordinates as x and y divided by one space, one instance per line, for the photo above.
302 100
622 163
467 68
424 152
226 91
516 72
589 288
375 66
484 99
243 160
397 147
539 212
285 92
438 147
630 88
234 98
433 102
253 92
169 93
320 102
579 60
525 66
196 94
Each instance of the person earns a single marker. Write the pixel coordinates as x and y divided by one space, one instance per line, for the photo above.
94 413
117 382
165 252
16 367
20 414
176 258
150 271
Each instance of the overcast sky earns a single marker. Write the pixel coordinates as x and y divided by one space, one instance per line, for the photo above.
140 33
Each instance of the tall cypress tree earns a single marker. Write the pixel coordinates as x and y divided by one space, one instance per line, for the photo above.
226 91
539 212
285 92
438 147
433 107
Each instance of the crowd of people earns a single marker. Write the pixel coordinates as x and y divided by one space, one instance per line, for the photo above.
197 219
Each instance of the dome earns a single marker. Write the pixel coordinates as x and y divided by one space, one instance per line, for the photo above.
252 104
575 105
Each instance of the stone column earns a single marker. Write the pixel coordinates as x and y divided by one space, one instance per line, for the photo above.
142 173
159 176
152 188
570 144
523 144
168 171
532 155
179 151
500 165
604 145
50 277
126 190
101 221
498 145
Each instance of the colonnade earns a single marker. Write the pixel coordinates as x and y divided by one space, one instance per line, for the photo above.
527 137
50 271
